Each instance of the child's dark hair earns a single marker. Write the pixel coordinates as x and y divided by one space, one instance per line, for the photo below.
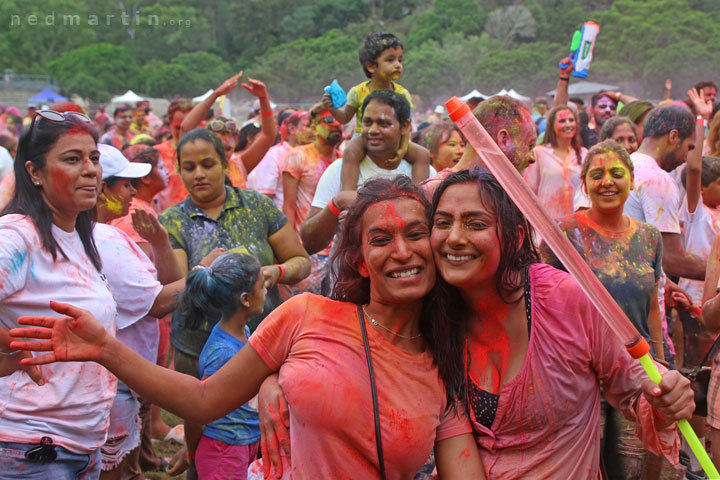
710 171
217 289
373 45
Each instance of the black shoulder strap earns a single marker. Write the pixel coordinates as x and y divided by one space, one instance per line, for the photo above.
378 439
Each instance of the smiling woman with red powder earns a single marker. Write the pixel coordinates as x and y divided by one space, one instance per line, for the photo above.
319 346
537 348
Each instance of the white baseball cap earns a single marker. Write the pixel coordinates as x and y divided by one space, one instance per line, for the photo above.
114 164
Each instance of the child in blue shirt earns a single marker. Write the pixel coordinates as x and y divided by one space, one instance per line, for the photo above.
232 286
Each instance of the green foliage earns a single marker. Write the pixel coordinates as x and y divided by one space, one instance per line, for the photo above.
97 71
98 48
301 68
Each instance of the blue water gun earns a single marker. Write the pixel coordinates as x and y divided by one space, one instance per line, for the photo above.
339 98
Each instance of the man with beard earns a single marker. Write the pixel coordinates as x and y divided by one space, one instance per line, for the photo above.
303 166
669 134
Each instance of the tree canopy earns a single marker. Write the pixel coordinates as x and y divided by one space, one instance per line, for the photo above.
99 48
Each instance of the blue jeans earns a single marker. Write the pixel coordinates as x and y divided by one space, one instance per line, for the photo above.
67 465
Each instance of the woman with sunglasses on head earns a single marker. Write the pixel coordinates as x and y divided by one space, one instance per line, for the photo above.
239 166
47 250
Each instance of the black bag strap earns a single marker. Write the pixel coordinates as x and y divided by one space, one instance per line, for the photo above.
700 365
378 439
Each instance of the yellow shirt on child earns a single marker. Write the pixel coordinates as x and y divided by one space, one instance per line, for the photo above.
356 97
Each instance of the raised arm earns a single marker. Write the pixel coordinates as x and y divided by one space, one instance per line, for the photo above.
199 112
694 158
561 92
266 138
78 336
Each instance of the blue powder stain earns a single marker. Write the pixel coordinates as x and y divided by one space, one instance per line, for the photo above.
17 261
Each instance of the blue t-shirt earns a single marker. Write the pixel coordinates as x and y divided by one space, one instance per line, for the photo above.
241 426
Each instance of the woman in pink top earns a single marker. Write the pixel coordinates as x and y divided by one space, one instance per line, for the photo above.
386 271
555 175
537 348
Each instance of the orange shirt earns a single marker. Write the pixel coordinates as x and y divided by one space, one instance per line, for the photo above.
175 192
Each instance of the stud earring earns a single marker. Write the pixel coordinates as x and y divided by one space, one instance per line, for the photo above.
37 183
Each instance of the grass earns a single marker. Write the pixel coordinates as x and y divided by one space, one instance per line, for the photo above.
166 449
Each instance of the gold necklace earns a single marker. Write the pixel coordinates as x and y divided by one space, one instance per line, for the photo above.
378 324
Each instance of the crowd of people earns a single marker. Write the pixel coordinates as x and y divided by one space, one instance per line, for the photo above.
316 301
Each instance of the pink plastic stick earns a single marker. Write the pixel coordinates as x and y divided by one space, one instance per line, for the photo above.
525 199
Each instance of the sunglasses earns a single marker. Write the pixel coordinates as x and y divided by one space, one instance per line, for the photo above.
217 125
56 117
327 119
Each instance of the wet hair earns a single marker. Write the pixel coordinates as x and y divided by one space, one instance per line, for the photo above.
437 134
713 138
710 171
246 134
373 46
178 105
217 289
501 113
516 254
611 124
705 83
551 136
397 102
436 327
635 110
123 107
34 147
596 98
607 146
206 135
665 118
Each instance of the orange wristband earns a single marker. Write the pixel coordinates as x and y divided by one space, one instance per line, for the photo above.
282 271
333 208
266 114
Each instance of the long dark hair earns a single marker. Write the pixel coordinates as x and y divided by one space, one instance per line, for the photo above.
516 253
551 136
437 327
26 200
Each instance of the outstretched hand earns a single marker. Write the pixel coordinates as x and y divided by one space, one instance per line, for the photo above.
702 107
78 336
672 398
148 227
256 87
228 84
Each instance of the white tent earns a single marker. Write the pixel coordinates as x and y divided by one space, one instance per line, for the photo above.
586 88
512 94
202 97
473 94
128 97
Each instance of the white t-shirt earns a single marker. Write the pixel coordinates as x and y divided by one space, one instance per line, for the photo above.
266 177
655 198
73 406
133 283
6 161
330 184
698 236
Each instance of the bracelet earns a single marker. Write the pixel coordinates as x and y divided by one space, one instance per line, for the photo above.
9 353
283 271
333 208
191 455
700 120
269 113
566 79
